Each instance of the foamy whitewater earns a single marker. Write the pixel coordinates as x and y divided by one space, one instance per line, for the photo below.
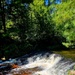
51 64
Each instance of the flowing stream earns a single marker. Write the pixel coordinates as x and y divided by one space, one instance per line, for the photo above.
50 64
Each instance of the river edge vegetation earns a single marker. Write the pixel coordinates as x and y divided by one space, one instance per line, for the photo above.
69 54
32 25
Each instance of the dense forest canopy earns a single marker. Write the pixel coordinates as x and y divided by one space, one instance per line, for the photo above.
32 24
65 21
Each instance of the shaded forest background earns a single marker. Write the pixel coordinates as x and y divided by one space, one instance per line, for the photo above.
30 25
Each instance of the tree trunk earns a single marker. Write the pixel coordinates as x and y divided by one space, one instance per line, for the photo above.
2 14
3 19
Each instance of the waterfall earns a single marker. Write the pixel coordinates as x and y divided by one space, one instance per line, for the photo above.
51 64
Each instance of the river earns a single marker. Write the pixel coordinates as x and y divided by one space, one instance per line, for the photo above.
48 64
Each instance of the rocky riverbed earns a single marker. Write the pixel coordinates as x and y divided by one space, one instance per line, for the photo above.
38 64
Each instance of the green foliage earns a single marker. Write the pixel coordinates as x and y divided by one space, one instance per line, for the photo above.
64 18
9 24
27 1
43 20
16 26
31 24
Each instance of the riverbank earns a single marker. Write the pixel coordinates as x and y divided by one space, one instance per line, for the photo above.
70 54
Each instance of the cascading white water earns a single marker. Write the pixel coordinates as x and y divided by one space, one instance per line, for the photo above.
51 64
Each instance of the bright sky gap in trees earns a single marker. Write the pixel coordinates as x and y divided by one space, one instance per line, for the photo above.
56 1
46 1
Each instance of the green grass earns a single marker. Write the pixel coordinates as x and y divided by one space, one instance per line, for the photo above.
67 53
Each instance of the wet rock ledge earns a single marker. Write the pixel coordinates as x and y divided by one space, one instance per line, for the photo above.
28 71
11 69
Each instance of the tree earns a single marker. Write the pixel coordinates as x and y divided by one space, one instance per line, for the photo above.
41 13
64 18
2 14
13 25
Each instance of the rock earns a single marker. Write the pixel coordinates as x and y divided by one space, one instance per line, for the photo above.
4 67
13 66
72 72
8 66
0 61
28 71
1 73
3 58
